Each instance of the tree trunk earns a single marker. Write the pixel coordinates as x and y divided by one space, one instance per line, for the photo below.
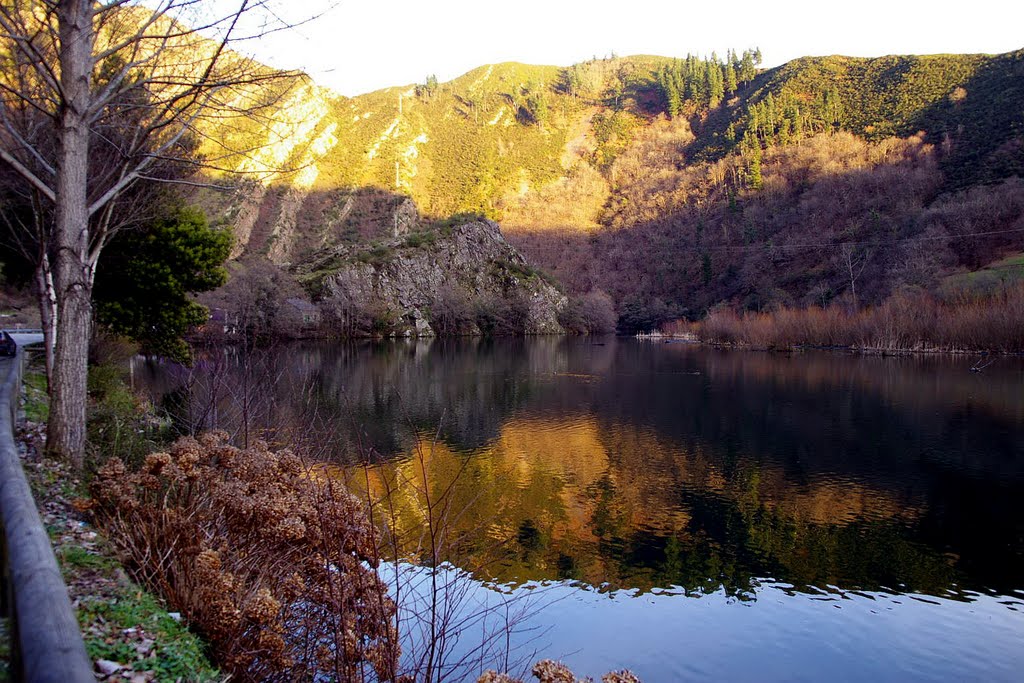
47 311
72 269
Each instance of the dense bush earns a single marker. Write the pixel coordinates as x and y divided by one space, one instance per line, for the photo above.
118 421
592 313
496 316
452 313
271 562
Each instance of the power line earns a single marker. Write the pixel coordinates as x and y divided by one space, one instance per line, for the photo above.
872 243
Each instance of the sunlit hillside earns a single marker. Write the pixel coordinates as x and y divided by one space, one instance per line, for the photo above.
673 185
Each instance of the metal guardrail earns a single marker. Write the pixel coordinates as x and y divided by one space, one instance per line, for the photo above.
47 644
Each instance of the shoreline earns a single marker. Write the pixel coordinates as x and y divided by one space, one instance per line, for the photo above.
861 350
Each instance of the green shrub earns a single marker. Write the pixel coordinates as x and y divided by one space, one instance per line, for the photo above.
420 240
119 423
376 255
37 401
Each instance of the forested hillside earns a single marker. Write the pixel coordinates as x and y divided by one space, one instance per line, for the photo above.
825 179
672 184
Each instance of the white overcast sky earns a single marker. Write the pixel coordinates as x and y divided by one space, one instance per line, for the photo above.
360 46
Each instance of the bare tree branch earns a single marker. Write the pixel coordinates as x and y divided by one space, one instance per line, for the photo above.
28 175
100 97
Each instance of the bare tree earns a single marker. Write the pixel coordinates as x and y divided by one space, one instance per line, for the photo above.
854 262
96 97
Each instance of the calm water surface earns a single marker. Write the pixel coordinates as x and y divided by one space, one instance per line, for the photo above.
688 513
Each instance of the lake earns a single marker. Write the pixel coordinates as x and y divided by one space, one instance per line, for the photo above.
685 512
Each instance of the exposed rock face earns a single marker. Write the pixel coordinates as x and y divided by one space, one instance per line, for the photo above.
456 272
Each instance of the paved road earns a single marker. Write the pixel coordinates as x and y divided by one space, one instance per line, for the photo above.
26 337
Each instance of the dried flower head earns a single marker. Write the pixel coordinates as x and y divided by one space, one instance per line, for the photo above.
624 676
155 463
550 671
264 558
490 676
207 563
262 607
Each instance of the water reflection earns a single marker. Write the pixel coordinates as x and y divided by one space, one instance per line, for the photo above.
663 635
639 465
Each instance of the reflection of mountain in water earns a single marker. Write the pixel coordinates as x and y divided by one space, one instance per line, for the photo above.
650 465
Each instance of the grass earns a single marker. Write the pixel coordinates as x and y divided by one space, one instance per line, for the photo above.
37 406
73 558
1005 271
178 654
377 255
420 240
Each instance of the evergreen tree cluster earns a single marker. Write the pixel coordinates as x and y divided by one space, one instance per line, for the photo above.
693 83
788 117
428 88
532 103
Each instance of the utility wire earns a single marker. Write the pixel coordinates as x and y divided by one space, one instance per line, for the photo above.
870 243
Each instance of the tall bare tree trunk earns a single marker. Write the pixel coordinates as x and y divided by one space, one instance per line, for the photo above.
72 270
47 311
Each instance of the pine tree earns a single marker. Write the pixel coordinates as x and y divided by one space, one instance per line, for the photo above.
833 109
729 77
668 81
675 103
747 68
715 84
771 114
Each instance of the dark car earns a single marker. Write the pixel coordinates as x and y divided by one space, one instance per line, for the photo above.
8 347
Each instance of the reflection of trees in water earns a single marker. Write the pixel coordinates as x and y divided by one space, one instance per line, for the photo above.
912 457
525 515
464 388
353 397
656 465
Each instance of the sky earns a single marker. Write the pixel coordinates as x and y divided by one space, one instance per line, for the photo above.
358 47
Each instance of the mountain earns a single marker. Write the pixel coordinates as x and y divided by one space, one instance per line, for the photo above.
674 185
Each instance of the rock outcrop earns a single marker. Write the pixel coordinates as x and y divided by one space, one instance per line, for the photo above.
452 280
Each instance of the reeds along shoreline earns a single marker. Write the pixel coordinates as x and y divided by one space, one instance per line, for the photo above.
907 321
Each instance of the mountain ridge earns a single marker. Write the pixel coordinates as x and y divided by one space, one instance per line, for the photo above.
586 166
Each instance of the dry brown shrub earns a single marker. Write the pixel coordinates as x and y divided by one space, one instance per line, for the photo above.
272 565
550 671
911 320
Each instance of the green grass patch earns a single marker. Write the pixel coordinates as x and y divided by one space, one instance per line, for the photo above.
376 255
1015 263
444 226
1006 271
75 557
178 653
420 240
37 401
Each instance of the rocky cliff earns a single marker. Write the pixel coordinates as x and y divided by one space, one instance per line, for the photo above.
452 279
